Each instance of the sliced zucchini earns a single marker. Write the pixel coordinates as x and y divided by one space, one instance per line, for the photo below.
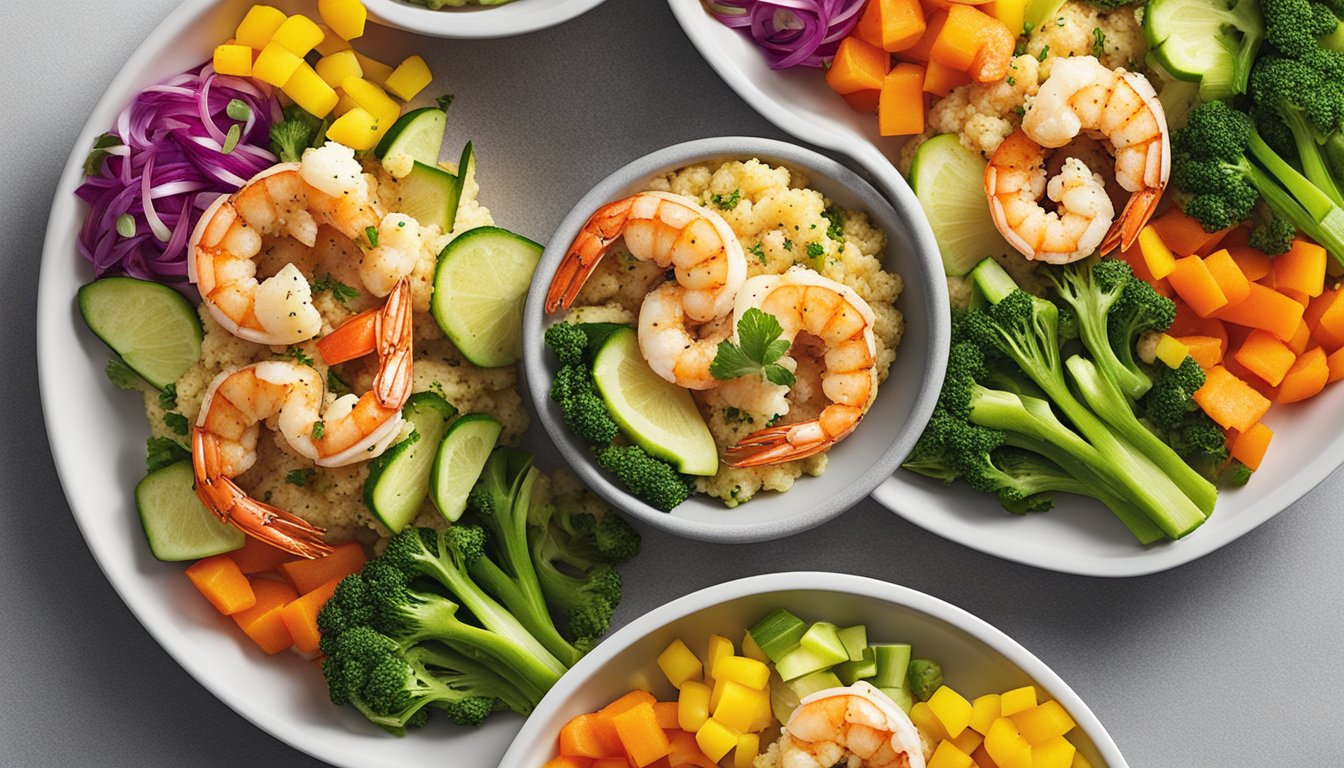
949 181
177 526
479 288
151 326
399 479
417 134
429 194
1212 42
458 463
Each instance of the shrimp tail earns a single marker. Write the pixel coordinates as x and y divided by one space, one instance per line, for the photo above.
791 442
602 229
354 338
1125 230
393 331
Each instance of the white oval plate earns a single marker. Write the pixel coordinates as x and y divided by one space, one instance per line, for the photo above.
1078 536
976 657
514 18
96 434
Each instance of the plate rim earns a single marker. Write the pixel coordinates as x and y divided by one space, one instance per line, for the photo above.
475 24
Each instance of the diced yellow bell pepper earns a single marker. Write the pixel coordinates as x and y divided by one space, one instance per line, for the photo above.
233 60
375 71
299 34
275 64
1159 258
1020 760
968 741
1044 722
356 129
948 756
716 739
371 98
692 706
740 669
409 78
257 27
1017 700
345 17
308 90
335 68
737 706
717 648
716 693
924 719
984 710
952 710
1004 743
331 42
1053 753
765 716
679 663
1171 351
1013 13
751 650
748 747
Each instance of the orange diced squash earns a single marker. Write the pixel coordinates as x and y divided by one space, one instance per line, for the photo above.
256 556
1266 356
940 80
299 34
1236 287
1183 235
1250 446
900 110
1295 295
581 737
685 751
639 733
1306 378
263 622
300 616
1187 323
610 762
307 575
1301 340
1302 268
864 101
920 51
1206 350
857 66
258 26
892 25
222 583
568 761
1313 314
1335 362
973 41
1254 264
666 711
1193 282
1269 310
1229 401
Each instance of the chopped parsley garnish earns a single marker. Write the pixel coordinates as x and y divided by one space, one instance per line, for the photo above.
372 234
444 101
1043 54
734 415
298 355
1019 111
176 422
1012 80
788 244
168 398
728 202
162 451
121 375
299 477
836 230
1098 42
319 429
757 251
758 348
815 251
335 385
774 420
339 291
93 164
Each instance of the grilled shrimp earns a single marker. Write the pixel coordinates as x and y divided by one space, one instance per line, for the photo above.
854 726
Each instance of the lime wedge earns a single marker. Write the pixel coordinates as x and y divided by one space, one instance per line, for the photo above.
654 413
154 330
176 524
949 181
458 464
479 289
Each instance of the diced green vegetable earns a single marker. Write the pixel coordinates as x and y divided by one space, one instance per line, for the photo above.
802 661
850 672
924 676
901 696
855 640
892 661
778 633
811 683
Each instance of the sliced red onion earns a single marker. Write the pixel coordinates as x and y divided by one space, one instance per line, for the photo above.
793 33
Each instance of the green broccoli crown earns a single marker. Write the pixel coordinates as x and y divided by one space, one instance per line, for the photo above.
293 134
1110 4
1273 235
1172 396
581 406
1201 443
348 607
1108 302
1292 26
1210 165
652 480
568 342
1236 474
1282 85
615 539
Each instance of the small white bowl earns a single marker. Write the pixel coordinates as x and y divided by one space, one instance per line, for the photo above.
976 658
478 21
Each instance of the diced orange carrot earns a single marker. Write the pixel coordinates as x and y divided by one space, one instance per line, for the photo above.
1306 378
869 26
307 575
1228 276
940 80
919 52
1301 340
257 556
973 41
864 101
1206 350
1239 236
1133 256
1194 283
982 758
1229 401
1315 310
1295 295
667 714
263 621
1254 264
1267 390
222 583
1329 330
1187 323
900 112
1266 356
892 25
1267 309
1183 235
684 751
611 762
300 616
1302 268
581 737
1335 362
568 761
639 733
627 702
945 4
857 66
1249 447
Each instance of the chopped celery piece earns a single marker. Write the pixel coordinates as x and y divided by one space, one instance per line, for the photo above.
801 661
811 683
778 633
855 639
823 639
925 676
852 671
892 659
901 696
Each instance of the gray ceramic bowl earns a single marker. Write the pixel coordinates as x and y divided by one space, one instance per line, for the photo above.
904 401
976 657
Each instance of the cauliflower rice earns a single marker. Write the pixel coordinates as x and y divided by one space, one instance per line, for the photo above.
780 222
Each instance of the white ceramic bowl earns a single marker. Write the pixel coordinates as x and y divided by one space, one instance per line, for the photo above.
1079 535
478 21
860 461
976 658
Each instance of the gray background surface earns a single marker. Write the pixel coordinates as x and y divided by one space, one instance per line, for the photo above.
1232 660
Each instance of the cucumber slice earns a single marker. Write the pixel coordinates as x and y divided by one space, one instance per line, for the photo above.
1204 41
430 195
418 133
804 661
176 524
151 326
855 640
654 413
823 639
399 479
949 181
479 288
458 463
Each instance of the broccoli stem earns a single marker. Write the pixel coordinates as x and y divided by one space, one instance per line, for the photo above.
1314 165
440 622
1328 229
530 610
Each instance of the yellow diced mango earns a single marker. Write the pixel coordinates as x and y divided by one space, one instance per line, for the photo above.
331 42
257 27
1170 351
1159 258
679 664
1003 743
952 710
737 706
948 756
1020 760
717 648
765 716
751 650
356 129
299 34
692 706
716 739
716 693
334 68
748 747
345 17
1056 752
1043 722
308 90
371 98
233 60
1013 13
409 78
968 741
924 718
984 711
740 669
375 71
1017 700
384 125
275 64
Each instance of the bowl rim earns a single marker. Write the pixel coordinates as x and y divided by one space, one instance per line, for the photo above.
932 607
482 23
928 280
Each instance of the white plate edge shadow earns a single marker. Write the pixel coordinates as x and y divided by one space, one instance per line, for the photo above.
916 500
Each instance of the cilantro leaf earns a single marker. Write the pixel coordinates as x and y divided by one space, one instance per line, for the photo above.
758 348
168 397
162 451
93 164
339 291
726 202
177 422
319 429
836 229
299 477
121 375
298 355
444 101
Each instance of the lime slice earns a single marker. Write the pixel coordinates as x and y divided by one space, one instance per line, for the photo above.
949 181
176 524
479 289
398 480
418 133
654 413
154 330
458 464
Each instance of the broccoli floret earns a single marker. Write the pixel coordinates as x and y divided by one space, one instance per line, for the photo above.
925 677
295 133
581 406
1293 26
1272 235
1236 474
1299 109
1202 444
652 480
1172 397
568 342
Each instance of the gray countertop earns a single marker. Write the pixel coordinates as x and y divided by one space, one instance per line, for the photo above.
1230 660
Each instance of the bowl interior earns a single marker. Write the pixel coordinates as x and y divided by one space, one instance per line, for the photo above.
976 658
478 21
857 464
